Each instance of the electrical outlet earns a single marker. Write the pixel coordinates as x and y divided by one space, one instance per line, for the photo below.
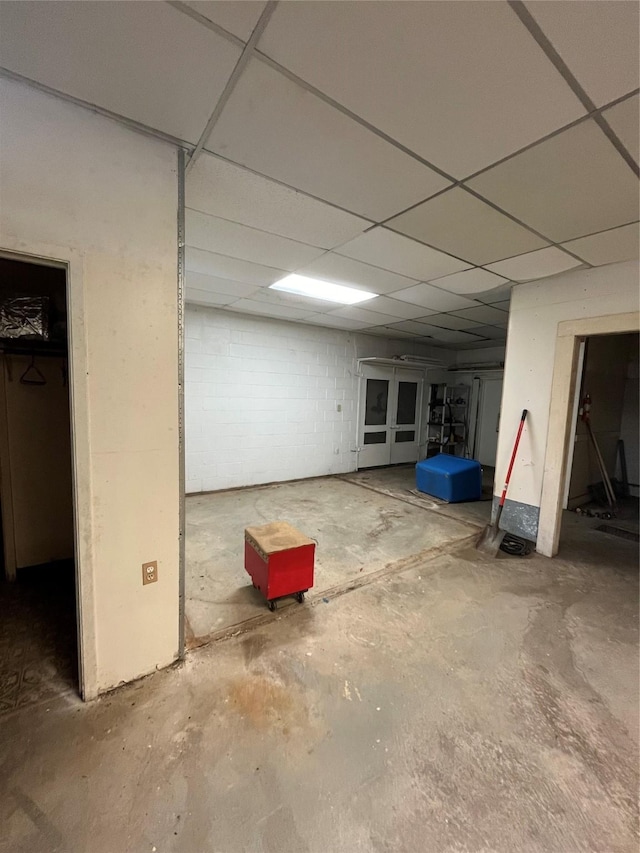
149 572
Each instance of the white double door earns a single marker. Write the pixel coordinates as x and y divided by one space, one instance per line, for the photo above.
390 407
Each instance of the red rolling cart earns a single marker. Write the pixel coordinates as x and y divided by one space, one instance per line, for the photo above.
280 561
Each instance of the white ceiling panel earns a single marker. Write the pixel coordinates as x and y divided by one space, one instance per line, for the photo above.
573 184
393 334
492 332
391 251
220 266
497 296
451 336
336 322
222 287
461 224
237 18
273 126
205 297
470 281
534 265
283 312
293 300
620 244
395 308
483 69
598 41
624 119
451 321
486 314
433 298
411 327
145 61
354 312
223 189
249 244
337 268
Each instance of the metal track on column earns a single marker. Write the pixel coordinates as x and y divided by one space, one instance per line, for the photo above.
181 450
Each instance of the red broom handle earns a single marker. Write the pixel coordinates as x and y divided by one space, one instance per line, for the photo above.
513 457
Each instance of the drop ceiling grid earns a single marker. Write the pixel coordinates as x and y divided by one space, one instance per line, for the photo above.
481 298
304 84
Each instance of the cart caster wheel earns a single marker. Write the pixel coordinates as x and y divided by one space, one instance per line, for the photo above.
271 605
299 597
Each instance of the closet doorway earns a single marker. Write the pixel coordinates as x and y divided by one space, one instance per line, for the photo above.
390 415
38 613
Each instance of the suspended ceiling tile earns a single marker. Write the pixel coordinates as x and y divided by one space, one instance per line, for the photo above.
293 300
209 263
204 297
461 224
390 332
354 312
333 267
492 332
573 184
411 327
470 281
450 321
534 265
219 286
237 18
433 298
597 40
223 189
451 336
272 125
484 73
146 61
391 251
497 296
239 241
263 309
486 314
624 119
396 308
336 322
620 244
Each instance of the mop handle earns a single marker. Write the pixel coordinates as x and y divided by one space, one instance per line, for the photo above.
513 458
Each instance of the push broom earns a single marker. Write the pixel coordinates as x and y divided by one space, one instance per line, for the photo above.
491 537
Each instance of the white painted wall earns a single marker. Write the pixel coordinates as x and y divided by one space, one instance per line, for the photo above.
536 310
80 188
261 397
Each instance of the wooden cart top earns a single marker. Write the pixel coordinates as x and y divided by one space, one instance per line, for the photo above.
276 536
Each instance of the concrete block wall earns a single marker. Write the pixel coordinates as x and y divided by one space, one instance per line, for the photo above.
271 400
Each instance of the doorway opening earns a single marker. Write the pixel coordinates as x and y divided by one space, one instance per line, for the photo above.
38 627
390 415
603 476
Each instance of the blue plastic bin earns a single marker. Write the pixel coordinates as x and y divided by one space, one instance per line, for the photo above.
450 478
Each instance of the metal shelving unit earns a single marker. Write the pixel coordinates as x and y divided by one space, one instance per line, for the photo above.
447 419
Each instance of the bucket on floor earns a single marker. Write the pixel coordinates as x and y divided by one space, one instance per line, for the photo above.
450 478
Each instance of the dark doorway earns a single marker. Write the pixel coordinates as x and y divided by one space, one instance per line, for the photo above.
38 646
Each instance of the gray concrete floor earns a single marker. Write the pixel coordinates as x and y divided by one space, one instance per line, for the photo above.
454 703
359 531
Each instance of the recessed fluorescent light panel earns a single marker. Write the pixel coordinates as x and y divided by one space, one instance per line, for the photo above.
318 289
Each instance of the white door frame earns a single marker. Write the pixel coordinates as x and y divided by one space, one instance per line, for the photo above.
72 261
390 372
559 434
